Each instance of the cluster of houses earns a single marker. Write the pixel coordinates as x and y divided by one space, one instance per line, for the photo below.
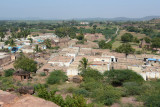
28 45
103 60
68 57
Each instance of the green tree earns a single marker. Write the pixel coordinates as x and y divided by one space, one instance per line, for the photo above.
94 27
84 64
147 39
118 77
47 42
80 36
56 77
2 36
156 42
12 43
103 45
9 72
25 64
127 37
37 49
31 40
125 48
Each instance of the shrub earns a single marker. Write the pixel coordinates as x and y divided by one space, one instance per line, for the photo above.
7 83
70 90
76 101
107 96
69 101
153 101
91 85
91 73
118 77
56 77
9 72
42 74
132 88
82 92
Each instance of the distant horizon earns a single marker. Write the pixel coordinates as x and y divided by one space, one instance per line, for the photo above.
73 9
43 18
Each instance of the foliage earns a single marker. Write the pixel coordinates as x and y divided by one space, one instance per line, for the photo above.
8 72
66 31
84 64
125 48
82 92
153 100
74 101
90 85
37 49
156 42
132 88
127 37
80 37
91 73
107 95
25 64
42 74
133 29
103 45
148 40
47 42
118 77
12 43
56 77
6 83
150 93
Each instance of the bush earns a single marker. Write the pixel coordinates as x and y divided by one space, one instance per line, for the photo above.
132 88
91 73
69 101
91 85
82 92
56 77
118 77
70 90
107 96
42 74
153 101
7 83
8 72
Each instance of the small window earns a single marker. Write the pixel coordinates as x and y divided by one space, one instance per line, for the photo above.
112 59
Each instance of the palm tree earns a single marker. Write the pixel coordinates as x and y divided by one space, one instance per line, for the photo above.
84 64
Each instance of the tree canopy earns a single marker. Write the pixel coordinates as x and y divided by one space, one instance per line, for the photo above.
127 37
156 42
118 77
125 48
25 64
103 45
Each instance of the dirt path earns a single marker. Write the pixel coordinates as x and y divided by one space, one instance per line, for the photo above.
115 34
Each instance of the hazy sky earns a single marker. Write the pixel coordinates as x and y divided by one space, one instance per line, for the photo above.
66 9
